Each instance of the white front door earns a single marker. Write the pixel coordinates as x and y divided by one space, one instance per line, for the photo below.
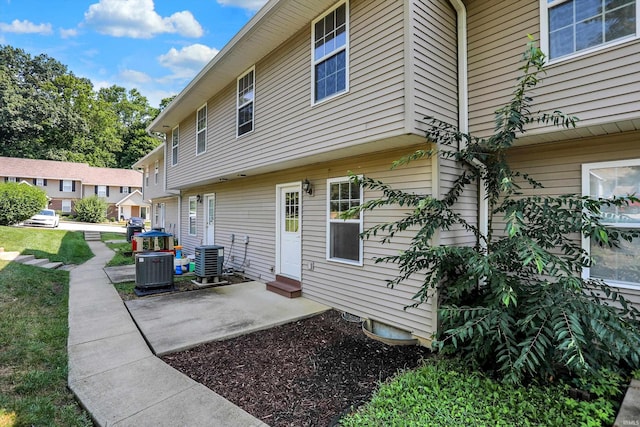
289 225
209 218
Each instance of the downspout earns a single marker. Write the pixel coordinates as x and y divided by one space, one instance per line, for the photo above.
463 107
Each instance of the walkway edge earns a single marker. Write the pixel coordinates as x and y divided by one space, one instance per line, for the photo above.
115 376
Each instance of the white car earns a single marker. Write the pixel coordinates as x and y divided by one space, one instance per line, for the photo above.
46 217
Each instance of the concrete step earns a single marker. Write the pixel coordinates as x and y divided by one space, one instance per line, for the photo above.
9 255
53 265
92 236
38 262
24 258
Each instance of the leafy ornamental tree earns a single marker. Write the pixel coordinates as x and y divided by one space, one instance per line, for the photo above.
515 304
19 202
91 209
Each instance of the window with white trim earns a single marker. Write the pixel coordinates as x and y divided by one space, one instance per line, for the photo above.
175 141
616 266
343 235
146 176
246 93
193 215
155 172
101 190
575 26
39 182
330 35
66 206
67 186
201 130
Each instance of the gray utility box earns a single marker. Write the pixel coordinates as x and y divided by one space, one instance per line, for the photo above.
209 260
154 272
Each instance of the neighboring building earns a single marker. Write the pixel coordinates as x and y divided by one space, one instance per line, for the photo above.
259 145
67 182
164 204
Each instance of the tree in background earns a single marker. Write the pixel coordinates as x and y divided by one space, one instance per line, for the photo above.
515 304
19 202
48 113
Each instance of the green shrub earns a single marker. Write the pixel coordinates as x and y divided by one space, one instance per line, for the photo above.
19 202
91 209
445 393
515 303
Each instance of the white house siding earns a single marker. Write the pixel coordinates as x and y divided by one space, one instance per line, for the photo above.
434 64
558 165
599 87
247 207
287 126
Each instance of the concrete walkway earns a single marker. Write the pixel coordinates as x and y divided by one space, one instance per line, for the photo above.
113 373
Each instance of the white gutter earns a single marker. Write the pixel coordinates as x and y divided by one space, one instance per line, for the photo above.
463 105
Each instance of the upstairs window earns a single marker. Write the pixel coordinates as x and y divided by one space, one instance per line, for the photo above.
616 266
146 176
343 235
67 186
330 57
10 179
40 182
201 130
574 26
101 190
155 172
246 84
175 141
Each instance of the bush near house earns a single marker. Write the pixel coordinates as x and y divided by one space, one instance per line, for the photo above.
515 304
91 209
19 202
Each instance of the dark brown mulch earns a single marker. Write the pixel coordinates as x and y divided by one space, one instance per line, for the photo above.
305 373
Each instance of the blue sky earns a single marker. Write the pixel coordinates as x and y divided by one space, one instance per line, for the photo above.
156 46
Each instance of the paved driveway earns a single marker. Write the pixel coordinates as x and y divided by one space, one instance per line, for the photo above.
84 226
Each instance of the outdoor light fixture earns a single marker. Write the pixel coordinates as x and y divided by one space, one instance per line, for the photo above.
199 198
306 187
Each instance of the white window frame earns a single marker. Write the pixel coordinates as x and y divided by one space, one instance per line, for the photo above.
65 203
201 130
193 216
175 143
155 172
39 182
146 176
125 190
586 241
359 221
11 179
67 186
334 52
101 191
546 5
240 98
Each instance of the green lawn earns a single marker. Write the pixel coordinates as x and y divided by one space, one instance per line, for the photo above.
34 329
68 247
122 250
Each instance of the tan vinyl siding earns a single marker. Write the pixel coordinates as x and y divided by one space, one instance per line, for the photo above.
247 207
598 87
434 51
466 207
287 126
558 166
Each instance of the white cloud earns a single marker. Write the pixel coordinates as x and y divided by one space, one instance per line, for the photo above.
138 19
24 27
244 4
71 32
134 76
188 61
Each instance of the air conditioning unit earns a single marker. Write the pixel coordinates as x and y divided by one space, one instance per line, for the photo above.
154 273
209 260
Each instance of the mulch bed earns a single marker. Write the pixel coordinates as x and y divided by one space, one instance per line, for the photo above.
305 373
